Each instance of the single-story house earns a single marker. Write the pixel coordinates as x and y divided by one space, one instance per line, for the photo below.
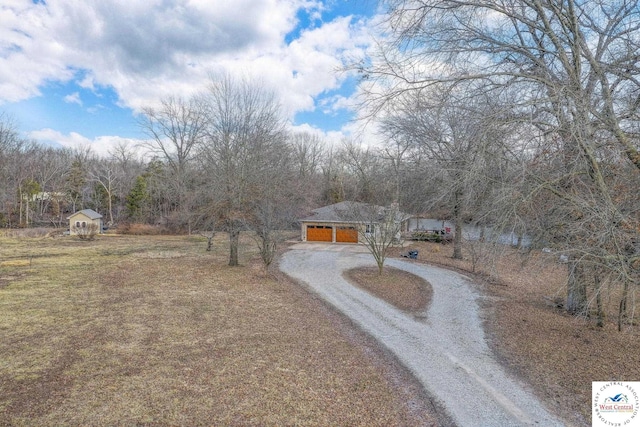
343 222
83 218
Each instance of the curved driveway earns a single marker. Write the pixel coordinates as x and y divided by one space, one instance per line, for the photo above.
446 351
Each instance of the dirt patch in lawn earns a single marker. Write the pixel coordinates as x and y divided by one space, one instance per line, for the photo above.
154 330
404 290
558 354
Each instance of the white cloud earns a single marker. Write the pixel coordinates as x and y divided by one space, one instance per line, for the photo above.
335 103
149 49
73 98
334 138
102 146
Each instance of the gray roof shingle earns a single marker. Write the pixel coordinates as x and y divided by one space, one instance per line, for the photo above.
347 211
88 213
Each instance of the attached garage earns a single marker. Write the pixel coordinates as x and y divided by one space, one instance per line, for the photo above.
347 235
343 222
319 233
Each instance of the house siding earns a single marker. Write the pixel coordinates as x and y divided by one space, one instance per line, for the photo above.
80 218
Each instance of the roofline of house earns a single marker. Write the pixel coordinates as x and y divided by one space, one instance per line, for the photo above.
341 221
80 212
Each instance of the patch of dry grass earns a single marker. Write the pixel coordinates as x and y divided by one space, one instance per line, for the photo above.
131 330
559 354
399 288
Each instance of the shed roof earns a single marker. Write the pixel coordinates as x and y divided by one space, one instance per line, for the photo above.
90 213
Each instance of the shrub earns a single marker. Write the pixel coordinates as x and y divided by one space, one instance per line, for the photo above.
426 236
86 232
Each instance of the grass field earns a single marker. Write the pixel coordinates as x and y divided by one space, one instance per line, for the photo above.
153 330
405 291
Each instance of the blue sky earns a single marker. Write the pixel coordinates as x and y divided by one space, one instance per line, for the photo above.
77 73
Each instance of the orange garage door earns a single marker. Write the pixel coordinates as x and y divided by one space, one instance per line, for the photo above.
319 233
347 235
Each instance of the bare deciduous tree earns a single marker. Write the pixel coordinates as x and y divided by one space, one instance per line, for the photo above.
456 139
574 67
176 130
104 175
378 227
245 125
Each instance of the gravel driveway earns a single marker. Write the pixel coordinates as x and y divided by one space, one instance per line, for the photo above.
446 351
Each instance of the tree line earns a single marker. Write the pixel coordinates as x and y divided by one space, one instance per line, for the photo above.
528 110
221 160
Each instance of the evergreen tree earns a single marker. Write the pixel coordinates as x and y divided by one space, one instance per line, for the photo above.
137 199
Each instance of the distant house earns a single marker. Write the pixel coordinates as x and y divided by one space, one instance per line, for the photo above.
343 222
46 196
431 225
82 219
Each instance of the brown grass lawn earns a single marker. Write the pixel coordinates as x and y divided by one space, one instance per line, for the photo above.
132 330
129 330
399 288
560 355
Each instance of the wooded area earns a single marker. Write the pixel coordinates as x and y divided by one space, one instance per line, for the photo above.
515 116
528 111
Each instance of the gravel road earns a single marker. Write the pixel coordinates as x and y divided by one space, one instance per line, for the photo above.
446 350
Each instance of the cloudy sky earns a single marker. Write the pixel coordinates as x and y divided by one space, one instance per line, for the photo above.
76 72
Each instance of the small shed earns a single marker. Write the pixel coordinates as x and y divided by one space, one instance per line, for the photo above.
82 219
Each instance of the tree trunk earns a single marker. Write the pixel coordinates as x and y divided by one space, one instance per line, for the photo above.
380 263
576 289
110 203
600 312
234 237
457 218
622 310
20 204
